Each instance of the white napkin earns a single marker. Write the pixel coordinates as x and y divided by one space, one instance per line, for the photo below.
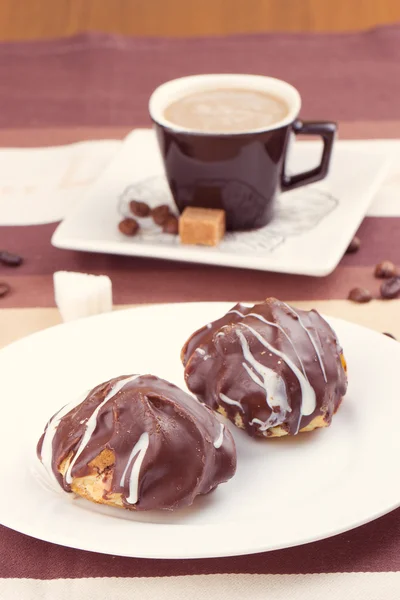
42 185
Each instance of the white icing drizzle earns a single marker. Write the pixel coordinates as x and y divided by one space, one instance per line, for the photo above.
202 353
308 394
308 399
270 382
220 438
139 450
261 318
46 452
317 352
92 422
230 401
264 425
253 376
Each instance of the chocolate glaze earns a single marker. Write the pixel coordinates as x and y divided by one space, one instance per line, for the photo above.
189 451
285 372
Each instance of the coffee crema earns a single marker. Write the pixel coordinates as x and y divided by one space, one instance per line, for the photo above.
227 110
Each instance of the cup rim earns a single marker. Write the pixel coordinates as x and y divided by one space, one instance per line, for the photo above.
174 89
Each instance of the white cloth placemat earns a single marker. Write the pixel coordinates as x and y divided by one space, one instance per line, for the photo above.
41 185
325 586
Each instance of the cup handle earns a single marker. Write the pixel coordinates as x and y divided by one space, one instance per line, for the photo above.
327 131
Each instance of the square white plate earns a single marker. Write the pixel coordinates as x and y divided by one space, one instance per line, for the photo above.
309 234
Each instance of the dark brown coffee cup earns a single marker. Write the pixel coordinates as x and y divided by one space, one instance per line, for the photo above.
241 172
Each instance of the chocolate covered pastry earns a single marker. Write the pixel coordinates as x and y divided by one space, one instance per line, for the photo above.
139 443
271 369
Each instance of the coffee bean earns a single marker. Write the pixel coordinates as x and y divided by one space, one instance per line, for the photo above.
171 225
139 209
4 288
129 227
160 214
9 259
389 335
385 269
354 245
360 295
390 288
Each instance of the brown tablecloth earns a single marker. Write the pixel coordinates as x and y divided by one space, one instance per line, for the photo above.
95 86
138 280
96 79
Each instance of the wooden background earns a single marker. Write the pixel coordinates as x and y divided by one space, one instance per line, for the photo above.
33 19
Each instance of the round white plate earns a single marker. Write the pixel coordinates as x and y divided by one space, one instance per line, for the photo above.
285 492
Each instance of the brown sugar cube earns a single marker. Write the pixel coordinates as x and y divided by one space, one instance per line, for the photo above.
205 226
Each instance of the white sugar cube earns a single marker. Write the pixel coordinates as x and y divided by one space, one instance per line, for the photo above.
81 295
